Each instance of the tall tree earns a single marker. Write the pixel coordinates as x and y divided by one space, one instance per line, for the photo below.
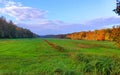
10 30
116 35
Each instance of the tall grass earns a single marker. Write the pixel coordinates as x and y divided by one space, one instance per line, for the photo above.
98 65
37 57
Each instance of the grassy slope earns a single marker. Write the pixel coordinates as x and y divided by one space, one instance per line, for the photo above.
35 56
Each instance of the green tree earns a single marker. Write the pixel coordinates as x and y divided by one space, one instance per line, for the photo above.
10 30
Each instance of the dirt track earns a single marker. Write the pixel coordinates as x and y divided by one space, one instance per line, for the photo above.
57 47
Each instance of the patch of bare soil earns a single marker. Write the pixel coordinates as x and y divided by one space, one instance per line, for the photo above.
84 46
57 47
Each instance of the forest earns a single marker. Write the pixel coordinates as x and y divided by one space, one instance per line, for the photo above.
110 34
9 30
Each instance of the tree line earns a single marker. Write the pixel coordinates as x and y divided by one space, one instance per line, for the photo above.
103 34
9 30
112 34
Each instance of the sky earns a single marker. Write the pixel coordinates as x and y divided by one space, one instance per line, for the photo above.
45 17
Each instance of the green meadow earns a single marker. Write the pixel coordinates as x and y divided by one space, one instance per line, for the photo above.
58 57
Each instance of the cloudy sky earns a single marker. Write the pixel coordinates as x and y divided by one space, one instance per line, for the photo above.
60 16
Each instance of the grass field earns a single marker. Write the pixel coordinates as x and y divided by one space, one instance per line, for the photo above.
58 57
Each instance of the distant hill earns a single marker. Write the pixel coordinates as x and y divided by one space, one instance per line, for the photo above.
54 36
10 30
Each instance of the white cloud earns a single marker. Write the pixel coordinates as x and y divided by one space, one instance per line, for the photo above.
58 27
35 20
20 12
107 21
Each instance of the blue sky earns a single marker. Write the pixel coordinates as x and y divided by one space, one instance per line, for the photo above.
60 16
73 10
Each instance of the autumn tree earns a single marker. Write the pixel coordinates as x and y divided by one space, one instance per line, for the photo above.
107 34
115 35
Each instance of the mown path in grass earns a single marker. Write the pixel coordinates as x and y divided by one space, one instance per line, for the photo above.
89 47
58 56
92 57
59 48
31 56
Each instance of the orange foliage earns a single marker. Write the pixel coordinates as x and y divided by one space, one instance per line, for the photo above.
103 34
116 35
100 35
